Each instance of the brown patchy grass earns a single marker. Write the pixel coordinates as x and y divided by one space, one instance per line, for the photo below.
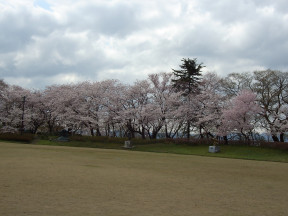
59 181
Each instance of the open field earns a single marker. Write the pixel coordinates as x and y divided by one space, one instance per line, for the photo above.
52 180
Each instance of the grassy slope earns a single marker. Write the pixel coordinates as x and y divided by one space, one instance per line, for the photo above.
240 152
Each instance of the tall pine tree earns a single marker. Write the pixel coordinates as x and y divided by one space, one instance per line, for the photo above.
188 77
187 80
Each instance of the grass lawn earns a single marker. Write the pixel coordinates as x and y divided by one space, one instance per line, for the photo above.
239 152
40 180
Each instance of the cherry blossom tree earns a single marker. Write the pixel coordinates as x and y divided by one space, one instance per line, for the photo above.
12 112
4 108
238 103
271 88
241 115
35 111
136 112
165 104
209 105
150 106
112 97
52 101
234 83
80 107
101 99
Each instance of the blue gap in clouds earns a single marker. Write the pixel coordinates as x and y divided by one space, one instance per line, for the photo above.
43 4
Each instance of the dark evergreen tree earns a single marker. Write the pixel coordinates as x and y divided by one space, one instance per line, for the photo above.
188 77
187 80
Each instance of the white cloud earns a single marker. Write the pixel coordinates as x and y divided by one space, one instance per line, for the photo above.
44 42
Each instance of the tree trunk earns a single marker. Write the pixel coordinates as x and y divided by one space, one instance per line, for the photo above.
166 132
200 131
155 132
275 138
35 130
188 129
154 135
92 131
210 134
106 131
131 130
50 129
98 133
50 126
114 132
225 140
281 137
143 133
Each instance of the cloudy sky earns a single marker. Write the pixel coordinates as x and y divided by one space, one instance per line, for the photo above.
46 42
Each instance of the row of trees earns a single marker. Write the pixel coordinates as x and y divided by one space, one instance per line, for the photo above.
167 105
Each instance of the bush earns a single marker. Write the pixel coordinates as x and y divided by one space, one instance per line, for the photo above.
99 139
258 143
28 138
139 141
275 145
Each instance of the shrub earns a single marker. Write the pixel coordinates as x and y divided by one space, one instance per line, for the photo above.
99 139
140 141
275 145
28 138
258 143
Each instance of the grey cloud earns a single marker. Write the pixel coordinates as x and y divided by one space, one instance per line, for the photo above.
263 42
227 11
19 26
56 54
202 41
129 39
280 6
267 42
116 20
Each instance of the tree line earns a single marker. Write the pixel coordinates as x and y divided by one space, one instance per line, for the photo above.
167 105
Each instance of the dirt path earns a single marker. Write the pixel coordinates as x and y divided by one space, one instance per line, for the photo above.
60 181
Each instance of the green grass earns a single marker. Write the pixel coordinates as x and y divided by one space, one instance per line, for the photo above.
227 151
237 152
80 144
